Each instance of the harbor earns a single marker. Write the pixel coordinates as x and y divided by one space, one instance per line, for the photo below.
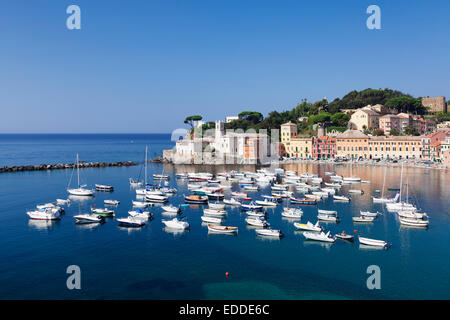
284 265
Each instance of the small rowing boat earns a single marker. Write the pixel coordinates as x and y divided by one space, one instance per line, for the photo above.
211 219
363 219
222 229
103 211
373 242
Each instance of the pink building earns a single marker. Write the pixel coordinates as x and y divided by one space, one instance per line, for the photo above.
430 144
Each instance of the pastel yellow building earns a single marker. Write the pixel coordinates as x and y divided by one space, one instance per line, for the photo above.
364 119
352 144
395 147
295 146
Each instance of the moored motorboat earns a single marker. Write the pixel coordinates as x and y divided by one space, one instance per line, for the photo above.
269 232
257 222
321 236
102 187
328 217
266 203
327 211
89 218
341 198
302 201
308 226
138 213
171 208
356 191
176 224
111 202
45 214
251 206
369 214
131 222
292 213
196 199
103 211
363 219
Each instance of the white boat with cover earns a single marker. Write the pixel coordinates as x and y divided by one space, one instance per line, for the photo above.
321 236
267 203
176 224
138 213
292 213
257 222
45 214
369 214
89 218
130 222
308 226
341 198
269 232
171 208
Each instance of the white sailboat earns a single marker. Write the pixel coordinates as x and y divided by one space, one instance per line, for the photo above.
142 191
80 191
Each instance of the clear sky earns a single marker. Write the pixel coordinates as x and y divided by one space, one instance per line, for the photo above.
143 66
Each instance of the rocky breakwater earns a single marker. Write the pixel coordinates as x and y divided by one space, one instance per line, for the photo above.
59 166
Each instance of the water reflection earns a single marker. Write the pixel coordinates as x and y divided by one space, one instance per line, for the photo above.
175 232
43 224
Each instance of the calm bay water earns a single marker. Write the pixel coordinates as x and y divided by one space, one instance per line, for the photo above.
154 263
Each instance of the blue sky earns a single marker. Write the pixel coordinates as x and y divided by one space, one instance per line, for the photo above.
143 66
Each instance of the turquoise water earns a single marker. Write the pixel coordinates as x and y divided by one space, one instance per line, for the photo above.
153 263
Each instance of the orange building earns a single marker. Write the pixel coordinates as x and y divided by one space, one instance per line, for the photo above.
352 144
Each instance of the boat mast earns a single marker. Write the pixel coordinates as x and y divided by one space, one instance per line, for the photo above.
384 182
78 172
401 183
145 179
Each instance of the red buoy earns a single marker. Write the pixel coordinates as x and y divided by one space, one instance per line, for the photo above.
227 274
354 231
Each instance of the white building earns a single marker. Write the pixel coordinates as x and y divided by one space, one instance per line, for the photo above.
231 118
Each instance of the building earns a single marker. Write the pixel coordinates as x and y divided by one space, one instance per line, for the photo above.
364 119
380 109
444 126
445 152
429 144
389 122
395 147
405 121
295 146
323 147
352 144
436 104
231 118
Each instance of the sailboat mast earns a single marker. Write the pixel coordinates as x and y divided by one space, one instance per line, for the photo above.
145 178
401 183
78 171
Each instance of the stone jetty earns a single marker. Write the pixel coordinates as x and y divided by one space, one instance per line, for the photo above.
42 167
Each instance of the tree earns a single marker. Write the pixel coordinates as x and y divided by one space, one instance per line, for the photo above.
406 104
340 119
252 116
190 120
320 118
395 132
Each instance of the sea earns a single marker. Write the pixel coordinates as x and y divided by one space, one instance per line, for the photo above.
154 262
